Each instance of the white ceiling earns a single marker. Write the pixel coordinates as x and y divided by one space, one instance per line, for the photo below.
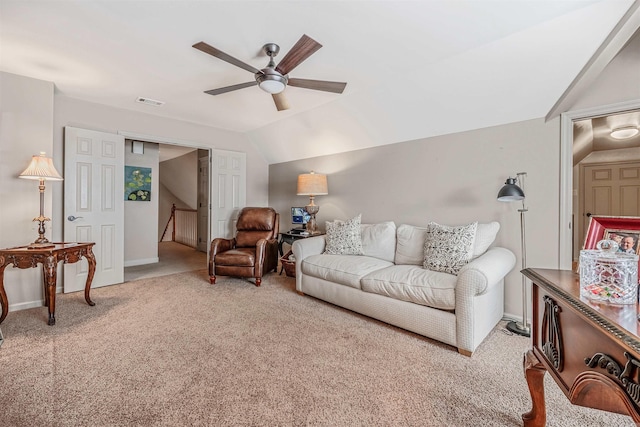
461 64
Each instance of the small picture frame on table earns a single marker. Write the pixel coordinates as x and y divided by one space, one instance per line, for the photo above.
624 230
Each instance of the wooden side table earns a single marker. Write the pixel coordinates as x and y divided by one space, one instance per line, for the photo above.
23 257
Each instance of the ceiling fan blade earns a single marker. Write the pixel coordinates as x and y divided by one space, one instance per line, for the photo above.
281 101
225 57
335 87
230 88
304 48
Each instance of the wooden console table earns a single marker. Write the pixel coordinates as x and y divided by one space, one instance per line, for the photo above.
592 350
23 257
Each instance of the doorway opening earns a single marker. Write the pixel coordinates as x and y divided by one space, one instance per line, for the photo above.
181 173
600 175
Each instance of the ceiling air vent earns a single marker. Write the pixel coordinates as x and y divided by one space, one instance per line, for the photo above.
149 101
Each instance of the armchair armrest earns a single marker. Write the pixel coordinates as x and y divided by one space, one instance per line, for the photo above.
219 245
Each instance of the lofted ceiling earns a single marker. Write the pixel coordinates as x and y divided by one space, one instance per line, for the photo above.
461 64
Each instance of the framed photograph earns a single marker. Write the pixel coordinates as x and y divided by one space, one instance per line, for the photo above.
624 230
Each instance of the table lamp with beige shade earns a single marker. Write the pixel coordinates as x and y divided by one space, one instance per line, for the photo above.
41 168
312 184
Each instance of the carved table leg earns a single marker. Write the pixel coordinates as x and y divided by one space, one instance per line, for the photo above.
50 280
534 373
4 302
92 269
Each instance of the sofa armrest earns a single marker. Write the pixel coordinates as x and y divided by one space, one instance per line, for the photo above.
304 248
484 272
480 297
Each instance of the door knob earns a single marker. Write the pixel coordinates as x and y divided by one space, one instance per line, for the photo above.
73 218
588 214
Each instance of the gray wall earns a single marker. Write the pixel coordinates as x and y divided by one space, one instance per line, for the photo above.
26 129
452 179
140 218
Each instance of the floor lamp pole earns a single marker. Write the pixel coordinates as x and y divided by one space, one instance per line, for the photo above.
523 327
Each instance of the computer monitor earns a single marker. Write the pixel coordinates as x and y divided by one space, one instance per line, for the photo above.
299 216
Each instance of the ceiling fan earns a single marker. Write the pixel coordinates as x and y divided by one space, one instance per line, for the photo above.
274 79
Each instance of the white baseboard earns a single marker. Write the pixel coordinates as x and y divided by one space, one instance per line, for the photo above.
26 305
32 304
135 262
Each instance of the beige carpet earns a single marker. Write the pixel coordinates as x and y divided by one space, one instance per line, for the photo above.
173 257
176 351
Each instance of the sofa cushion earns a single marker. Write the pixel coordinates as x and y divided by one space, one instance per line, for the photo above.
343 238
485 235
379 240
447 249
410 245
343 269
413 284
410 242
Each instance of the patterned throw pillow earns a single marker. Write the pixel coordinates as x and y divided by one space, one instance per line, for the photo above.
343 238
448 249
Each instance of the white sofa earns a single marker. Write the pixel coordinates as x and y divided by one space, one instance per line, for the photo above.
389 283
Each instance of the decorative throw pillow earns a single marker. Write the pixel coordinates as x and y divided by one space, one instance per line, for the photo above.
485 235
448 249
343 238
379 240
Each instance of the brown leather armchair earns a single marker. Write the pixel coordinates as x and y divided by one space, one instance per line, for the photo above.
254 250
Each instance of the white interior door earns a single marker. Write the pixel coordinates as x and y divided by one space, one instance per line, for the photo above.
610 189
94 204
228 191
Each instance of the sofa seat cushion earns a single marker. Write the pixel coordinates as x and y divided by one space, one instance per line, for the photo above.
342 269
413 284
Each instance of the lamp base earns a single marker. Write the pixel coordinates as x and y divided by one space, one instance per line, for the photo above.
41 242
42 245
519 328
312 209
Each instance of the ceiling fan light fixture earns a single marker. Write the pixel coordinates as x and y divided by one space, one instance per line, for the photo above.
624 132
272 86
271 83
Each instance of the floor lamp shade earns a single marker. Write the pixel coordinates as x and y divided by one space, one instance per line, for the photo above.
312 184
512 192
41 168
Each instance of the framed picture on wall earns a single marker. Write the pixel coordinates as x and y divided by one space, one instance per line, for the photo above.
137 184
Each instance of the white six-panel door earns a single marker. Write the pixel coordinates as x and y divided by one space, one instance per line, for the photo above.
228 191
94 204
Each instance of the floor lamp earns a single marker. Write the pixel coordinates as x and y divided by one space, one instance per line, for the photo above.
511 192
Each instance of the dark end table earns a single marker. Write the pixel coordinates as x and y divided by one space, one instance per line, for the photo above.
289 237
